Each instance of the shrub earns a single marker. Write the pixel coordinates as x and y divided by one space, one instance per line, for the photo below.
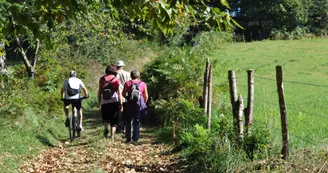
179 114
210 152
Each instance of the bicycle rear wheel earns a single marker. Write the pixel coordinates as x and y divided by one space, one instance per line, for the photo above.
72 128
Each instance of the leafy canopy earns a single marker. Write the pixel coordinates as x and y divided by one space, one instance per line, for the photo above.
37 18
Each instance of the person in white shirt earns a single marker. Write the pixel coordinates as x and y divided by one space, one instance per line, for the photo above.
123 76
76 84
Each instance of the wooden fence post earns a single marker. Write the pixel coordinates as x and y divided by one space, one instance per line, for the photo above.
209 102
205 86
240 112
250 102
283 113
233 94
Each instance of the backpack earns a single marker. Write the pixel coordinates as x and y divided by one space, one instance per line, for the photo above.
71 91
134 95
108 91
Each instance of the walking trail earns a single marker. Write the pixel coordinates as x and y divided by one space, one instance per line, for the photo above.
93 153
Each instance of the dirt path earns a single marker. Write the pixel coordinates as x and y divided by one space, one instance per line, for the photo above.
93 153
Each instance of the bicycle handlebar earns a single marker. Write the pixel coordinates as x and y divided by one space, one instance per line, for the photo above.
81 98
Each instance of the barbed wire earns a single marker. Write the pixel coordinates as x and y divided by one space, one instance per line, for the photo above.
304 139
241 77
303 83
308 113
292 108
275 104
294 82
265 78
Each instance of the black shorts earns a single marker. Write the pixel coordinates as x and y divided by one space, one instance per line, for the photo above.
110 112
74 102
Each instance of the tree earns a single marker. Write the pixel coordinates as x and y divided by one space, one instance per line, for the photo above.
33 21
318 16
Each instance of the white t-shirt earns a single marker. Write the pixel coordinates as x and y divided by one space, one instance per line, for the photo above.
75 83
124 76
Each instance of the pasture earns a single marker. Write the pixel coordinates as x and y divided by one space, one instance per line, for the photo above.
305 74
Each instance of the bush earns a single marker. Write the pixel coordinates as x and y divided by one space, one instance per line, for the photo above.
179 115
210 152
296 34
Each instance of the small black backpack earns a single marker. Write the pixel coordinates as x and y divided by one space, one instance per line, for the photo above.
108 91
71 91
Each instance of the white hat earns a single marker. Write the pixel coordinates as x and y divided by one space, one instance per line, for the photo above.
72 73
120 63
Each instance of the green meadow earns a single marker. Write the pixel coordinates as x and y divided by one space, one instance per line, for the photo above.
305 75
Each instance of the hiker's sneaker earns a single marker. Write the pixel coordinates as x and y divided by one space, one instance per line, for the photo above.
67 122
128 140
106 133
135 142
80 129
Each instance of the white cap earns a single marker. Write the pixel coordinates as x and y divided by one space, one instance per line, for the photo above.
72 73
120 63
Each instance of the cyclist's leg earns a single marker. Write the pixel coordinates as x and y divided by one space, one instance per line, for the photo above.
78 105
66 107
66 110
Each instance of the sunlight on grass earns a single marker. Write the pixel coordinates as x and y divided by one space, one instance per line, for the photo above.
304 64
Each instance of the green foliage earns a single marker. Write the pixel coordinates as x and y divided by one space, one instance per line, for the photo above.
180 69
179 114
31 111
210 44
296 34
164 15
174 75
207 152
36 17
256 145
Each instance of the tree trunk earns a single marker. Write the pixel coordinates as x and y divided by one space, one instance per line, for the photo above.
30 68
3 67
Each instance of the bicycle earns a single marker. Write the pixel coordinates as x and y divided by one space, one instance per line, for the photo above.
73 127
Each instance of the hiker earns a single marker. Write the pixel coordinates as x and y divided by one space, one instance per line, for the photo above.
110 99
70 94
136 94
123 76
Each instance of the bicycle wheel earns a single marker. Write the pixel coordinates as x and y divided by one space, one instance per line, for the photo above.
72 128
78 131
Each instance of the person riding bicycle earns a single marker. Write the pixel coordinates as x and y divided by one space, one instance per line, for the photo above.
73 84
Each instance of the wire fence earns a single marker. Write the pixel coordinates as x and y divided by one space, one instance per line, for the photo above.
308 136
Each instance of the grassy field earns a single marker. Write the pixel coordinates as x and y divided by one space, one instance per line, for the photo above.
305 72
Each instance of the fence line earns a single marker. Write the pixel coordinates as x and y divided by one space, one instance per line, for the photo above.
275 104
308 113
265 78
304 139
303 83
309 138
292 108
294 82
241 77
